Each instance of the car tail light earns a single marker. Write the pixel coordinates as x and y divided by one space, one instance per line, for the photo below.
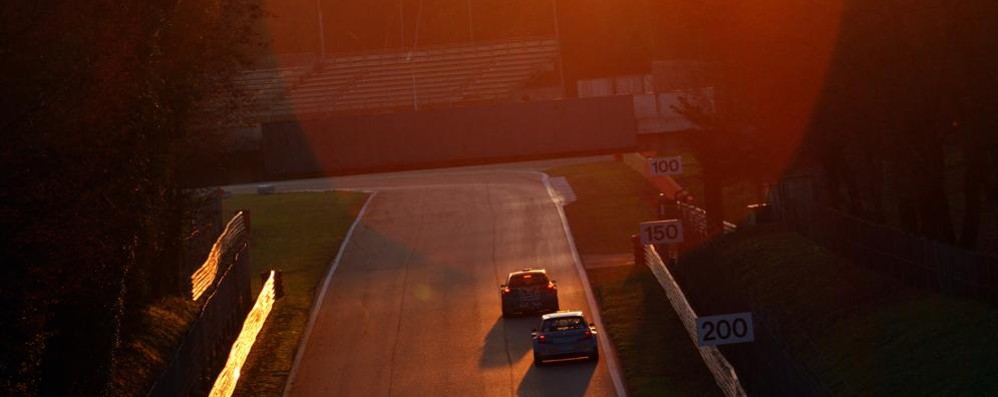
505 290
541 339
587 335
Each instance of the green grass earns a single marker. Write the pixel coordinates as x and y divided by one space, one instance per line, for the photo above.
656 354
875 333
843 321
611 200
298 233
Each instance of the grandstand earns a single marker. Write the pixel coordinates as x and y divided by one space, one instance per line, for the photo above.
262 86
394 80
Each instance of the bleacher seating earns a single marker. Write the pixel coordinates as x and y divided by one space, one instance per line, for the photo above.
262 86
393 80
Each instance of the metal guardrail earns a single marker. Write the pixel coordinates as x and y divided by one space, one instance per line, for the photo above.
225 383
697 217
723 371
232 237
224 303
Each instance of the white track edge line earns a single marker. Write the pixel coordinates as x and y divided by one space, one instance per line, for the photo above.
317 302
611 357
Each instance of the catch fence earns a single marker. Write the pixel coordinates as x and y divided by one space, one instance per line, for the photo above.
916 260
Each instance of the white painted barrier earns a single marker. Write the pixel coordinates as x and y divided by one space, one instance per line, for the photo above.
724 373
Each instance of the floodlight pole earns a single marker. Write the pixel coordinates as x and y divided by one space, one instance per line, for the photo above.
471 24
415 42
322 32
557 38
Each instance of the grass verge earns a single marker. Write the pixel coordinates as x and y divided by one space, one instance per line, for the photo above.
298 233
611 200
147 350
842 321
657 357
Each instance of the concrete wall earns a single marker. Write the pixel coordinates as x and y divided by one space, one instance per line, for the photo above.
448 136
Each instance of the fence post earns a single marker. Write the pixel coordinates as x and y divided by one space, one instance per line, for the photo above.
639 250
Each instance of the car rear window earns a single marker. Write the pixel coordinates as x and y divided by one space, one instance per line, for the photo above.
563 324
528 280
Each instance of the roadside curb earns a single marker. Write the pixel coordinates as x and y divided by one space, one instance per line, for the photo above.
611 358
317 299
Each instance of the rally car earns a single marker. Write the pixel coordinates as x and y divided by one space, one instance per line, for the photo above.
528 291
563 335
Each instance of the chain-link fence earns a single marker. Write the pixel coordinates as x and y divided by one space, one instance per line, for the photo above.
774 363
916 260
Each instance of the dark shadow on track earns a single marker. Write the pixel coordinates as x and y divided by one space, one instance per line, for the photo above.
563 378
508 335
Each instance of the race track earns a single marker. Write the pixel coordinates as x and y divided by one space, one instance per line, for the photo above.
413 307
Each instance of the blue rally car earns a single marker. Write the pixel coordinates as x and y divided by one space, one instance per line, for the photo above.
564 334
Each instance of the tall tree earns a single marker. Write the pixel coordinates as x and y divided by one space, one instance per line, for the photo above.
99 101
768 61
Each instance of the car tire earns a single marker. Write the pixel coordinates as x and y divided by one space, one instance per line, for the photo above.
594 356
506 312
537 361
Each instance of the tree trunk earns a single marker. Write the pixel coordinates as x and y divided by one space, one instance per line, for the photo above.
713 197
833 180
972 188
993 177
974 178
934 209
903 192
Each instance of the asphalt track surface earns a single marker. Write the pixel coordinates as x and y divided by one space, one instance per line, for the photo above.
413 307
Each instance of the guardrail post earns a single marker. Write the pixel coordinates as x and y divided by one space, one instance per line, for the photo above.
639 250
246 218
667 208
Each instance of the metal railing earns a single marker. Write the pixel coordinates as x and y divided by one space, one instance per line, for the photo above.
223 304
696 217
233 237
913 259
225 383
